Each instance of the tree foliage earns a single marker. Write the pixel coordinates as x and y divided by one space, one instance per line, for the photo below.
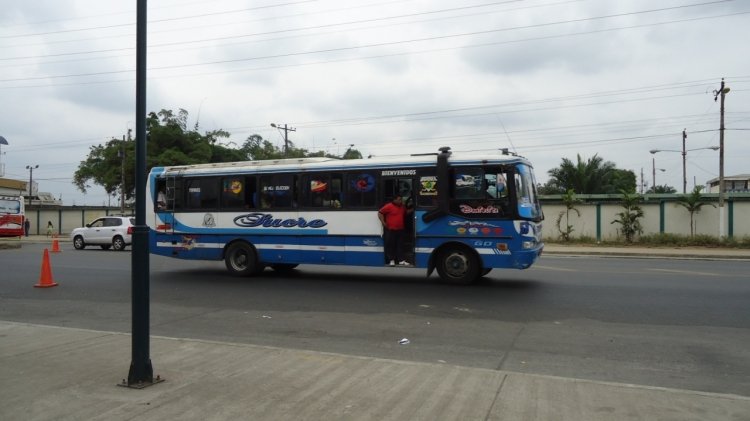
629 217
170 142
661 189
593 176
570 201
693 203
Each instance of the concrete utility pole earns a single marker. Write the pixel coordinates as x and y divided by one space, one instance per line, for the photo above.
643 182
684 158
286 136
722 92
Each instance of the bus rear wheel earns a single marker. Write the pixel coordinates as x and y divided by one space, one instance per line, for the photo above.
458 265
241 260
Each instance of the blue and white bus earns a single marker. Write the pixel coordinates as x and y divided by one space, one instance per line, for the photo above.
283 213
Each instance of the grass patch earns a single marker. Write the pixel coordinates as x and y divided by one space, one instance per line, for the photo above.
663 240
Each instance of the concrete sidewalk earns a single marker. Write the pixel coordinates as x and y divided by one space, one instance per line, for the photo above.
53 373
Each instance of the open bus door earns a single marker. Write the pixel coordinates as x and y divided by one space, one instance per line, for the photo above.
164 204
404 187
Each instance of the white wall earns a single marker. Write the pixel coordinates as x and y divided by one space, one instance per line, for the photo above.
676 219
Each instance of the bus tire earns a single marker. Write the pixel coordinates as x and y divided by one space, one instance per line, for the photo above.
241 259
458 265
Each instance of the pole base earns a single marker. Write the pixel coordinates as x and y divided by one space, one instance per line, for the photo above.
140 384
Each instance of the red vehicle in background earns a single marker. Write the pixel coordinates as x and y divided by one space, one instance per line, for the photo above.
11 216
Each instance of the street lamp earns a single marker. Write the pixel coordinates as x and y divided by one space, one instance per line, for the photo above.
31 178
653 172
684 154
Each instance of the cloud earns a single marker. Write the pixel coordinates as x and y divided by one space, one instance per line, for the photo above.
548 78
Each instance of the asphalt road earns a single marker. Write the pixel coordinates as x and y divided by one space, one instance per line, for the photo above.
670 323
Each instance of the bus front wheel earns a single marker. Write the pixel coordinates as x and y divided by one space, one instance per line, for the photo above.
458 265
241 260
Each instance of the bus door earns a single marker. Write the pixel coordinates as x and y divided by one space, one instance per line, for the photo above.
164 204
403 186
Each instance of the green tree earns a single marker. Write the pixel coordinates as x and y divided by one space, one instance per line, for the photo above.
569 199
593 176
351 154
629 218
256 148
621 180
169 142
549 188
661 189
104 167
693 203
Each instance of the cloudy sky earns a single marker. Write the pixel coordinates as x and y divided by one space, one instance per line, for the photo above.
549 79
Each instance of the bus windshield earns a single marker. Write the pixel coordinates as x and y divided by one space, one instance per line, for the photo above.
528 203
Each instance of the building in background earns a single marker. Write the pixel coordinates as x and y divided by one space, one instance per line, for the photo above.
732 184
10 187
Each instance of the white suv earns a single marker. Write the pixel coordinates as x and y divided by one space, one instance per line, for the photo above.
106 232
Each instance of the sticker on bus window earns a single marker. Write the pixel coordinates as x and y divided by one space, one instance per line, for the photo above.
318 186
364 183
234 186
429 186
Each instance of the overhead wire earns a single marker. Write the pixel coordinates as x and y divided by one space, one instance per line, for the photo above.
399 42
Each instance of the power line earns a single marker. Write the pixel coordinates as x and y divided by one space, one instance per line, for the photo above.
400 42
62 31
333 61
348 23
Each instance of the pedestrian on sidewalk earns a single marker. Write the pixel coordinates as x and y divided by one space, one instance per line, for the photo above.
50 228
26 226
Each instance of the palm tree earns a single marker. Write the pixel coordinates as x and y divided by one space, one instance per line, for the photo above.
661 189
570 200
590 177
693 203
629 217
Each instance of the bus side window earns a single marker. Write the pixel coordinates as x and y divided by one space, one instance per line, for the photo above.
250 193
360 190
276 191
233 192
160 201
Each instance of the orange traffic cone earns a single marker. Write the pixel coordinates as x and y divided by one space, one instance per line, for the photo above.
45 278
55 246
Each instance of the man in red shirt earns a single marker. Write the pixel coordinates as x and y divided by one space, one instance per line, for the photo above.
392 217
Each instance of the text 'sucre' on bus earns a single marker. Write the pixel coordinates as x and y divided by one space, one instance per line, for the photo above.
283 213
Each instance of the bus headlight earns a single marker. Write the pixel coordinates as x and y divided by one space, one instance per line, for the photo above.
526 245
